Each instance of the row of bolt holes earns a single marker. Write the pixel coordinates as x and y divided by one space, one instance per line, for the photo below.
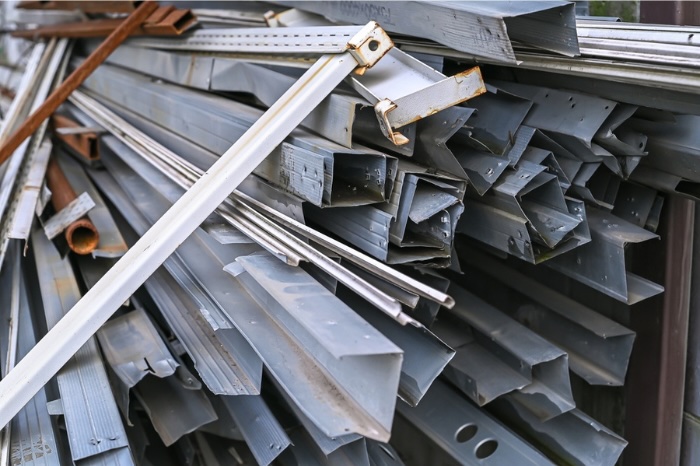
484 449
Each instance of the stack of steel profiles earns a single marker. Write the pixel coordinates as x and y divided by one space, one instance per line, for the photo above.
349 301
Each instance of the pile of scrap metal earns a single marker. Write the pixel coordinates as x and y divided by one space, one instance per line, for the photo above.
353 281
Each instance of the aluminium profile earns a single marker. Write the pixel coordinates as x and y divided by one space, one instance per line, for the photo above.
133 348
305 451
284 293
31 432
226 358
544 365
88 406
601 263
175 405
262 432
571 438
186 174
498 116
325 444
485 30
464 433
230 119
599 348
284 211
424 354
635 203
259 328
572 119
476 370
347 118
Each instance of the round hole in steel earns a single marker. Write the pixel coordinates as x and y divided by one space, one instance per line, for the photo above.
373 45
486 449
466 433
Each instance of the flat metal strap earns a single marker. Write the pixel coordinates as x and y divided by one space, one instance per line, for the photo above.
69 214
332 39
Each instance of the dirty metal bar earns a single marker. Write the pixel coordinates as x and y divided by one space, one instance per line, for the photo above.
54 350
82 236
164 21
59 95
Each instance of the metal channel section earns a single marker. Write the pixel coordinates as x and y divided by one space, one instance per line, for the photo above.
91 415
386 303
424 355
598 347
544 365
464 433
133 348
260 429
227 364
318 393
30 179
32 439
485 30
374 266
278 288
401 88
567 438
339 117
54 350
35 86
307 165
601 264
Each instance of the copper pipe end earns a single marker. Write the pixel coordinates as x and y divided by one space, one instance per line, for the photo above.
82 236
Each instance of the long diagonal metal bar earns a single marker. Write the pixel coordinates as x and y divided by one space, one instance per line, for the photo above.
132 270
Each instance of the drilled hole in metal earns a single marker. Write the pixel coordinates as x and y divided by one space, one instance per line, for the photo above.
373 45
466 433
486 449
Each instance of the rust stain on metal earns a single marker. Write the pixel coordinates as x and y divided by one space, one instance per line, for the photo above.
77 77
81 235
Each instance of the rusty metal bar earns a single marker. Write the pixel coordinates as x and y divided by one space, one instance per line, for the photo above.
102 6
81 235
76 78
165 21
84 144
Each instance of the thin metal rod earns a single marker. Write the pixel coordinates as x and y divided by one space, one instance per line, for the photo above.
76 78
154 247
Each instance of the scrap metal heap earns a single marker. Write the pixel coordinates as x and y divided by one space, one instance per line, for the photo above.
380 289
